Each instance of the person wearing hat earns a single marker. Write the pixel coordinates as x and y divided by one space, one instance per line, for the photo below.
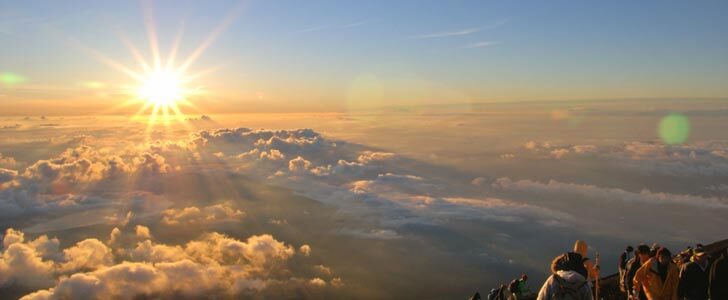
694 277
657 278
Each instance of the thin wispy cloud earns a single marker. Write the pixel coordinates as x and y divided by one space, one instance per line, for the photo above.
357 24
313 29
328 27
445 34
481 44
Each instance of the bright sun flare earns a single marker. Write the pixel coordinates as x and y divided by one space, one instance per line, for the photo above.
161 89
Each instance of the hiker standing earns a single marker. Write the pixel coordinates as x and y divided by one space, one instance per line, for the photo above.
566 280
694 277
642 255
518 287
581 247
658 278
718 285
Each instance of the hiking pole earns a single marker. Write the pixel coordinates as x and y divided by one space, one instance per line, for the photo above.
596 281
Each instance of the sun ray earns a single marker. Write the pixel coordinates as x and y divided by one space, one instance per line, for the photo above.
211 38
148 12
135 52
111 63
175 47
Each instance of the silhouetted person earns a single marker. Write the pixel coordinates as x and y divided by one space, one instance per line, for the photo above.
502 293
475 297
642 255
658 278
718 278
493 294
518 287
694 277
565 281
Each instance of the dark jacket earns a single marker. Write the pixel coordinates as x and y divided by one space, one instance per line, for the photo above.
719 278
694 281
630 270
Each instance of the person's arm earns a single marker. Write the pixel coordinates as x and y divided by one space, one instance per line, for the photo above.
591 270
639 278
545 292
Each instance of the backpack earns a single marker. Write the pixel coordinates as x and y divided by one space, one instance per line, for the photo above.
564 292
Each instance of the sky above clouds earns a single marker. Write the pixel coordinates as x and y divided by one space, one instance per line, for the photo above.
344 55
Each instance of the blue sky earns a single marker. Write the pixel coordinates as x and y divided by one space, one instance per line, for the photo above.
417 51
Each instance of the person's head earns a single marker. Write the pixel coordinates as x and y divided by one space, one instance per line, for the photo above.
524 277
700 255
664 256
643 252
566 262
653 249
581 247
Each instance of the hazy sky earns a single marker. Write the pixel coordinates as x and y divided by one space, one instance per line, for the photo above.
338 55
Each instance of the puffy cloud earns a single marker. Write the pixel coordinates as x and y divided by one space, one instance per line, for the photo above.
299 165
6 161
142 232
207 215
608 194
305 250
323 269
317 282
559 153
75 167
7 177
89 254
213 266
367 157
22 263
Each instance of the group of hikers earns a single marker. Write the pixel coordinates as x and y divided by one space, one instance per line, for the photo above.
653 273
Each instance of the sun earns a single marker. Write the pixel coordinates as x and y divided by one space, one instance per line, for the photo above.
161 88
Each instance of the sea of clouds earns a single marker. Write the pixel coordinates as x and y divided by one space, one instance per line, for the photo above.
99 208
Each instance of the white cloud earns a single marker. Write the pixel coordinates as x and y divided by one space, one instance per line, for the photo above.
460 32
305 250
608 194
194 216
213 266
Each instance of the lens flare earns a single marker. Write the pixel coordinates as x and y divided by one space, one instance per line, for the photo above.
674 129
10 79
